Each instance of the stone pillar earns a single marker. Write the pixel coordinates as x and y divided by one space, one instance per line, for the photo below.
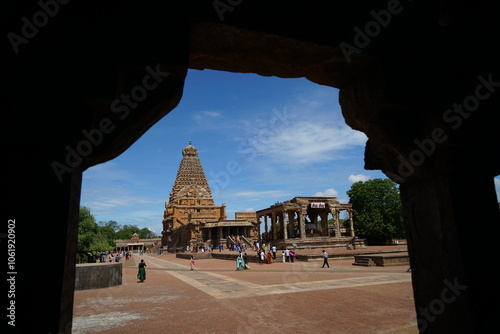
291 224
324 223
445 171
335 214
265 225
273 224
285 228
351 223
445 225
302 222
27 179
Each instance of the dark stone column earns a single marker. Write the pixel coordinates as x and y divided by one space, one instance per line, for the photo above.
46 225
445 170
448 221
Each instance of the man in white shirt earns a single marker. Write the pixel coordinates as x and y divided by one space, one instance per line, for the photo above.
273 249
325 259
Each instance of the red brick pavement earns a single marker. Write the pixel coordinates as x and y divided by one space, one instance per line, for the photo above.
174 299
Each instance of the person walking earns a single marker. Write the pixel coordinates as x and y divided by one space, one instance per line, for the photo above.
273 249
287 255
261 257
269 257
293 256
141 275
245 261
191 263
325 259
240 263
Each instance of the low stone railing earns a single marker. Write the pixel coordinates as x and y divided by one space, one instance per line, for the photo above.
97 275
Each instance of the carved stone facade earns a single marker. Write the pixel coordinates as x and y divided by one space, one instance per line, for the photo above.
297 219
191 218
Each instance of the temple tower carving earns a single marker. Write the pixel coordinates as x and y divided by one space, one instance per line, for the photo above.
191 218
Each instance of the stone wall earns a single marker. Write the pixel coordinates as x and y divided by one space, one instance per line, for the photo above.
97 275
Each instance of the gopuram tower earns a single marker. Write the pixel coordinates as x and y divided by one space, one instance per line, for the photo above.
190 204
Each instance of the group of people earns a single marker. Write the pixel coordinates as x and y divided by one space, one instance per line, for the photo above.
289 255
200 248
111 257
265 258
237 243
242 262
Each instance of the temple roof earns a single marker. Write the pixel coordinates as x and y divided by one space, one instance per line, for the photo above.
190 181
189 150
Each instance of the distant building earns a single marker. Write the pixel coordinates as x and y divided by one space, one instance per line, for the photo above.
191 218
294 223
135 244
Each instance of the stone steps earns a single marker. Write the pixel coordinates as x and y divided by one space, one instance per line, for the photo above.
364 261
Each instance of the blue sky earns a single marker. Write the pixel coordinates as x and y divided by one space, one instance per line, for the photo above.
260 140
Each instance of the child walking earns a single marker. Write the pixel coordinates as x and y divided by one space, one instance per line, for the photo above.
191 263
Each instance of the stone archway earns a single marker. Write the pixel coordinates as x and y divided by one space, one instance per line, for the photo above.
425 99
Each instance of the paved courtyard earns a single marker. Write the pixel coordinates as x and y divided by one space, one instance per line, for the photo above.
296 297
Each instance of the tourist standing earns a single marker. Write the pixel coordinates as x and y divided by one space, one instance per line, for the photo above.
261 257
325 259
274 252
287 255
269 257
245 261
240 262
141 275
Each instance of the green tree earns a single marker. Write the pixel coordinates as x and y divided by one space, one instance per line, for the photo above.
90 240
146 233
108 230
126 231
377 210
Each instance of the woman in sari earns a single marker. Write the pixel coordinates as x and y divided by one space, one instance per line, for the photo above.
141 275
269 257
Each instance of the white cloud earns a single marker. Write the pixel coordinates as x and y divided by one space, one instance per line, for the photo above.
204 116
307 132
106 200
304 142
356 178
330 192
